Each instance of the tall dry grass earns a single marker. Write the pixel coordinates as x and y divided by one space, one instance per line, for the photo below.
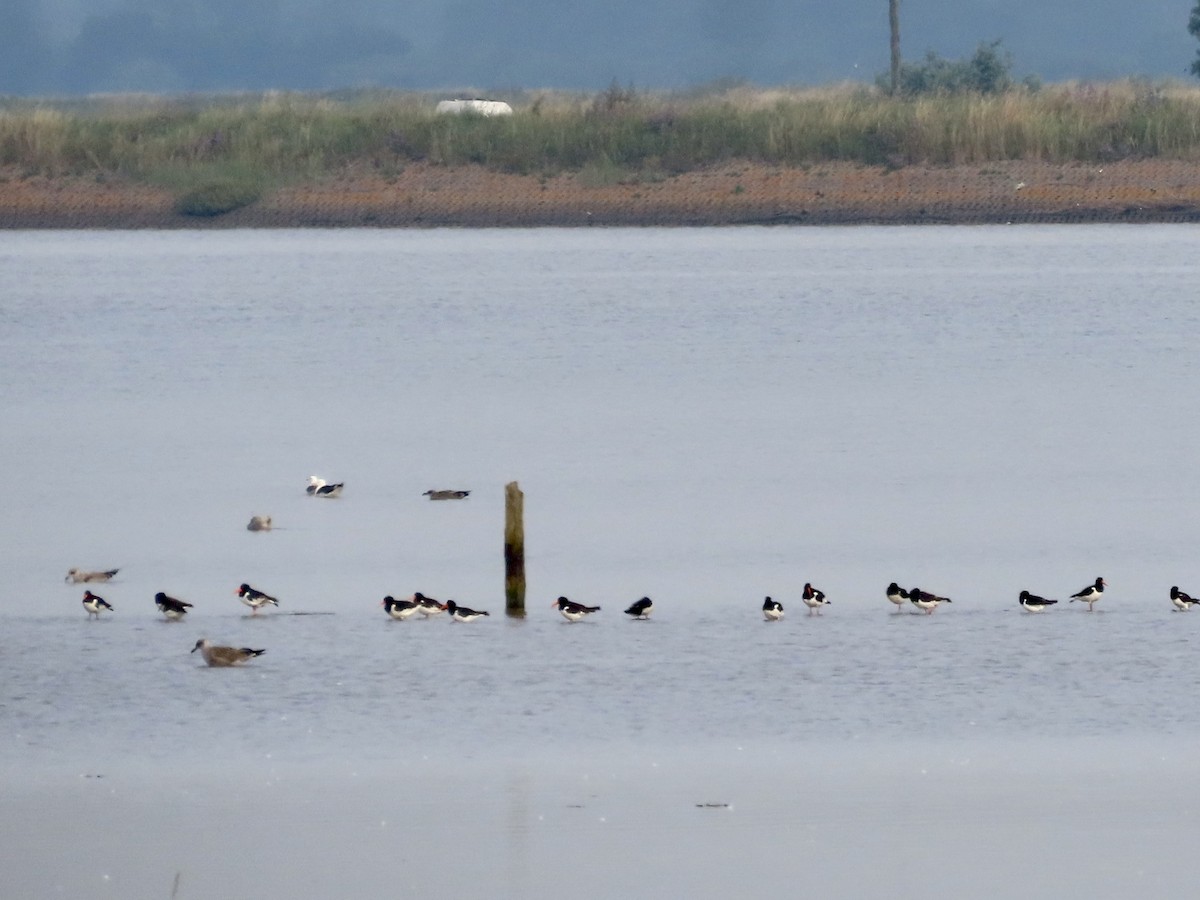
279 137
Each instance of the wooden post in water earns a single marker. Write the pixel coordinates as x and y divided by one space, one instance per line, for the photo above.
514 550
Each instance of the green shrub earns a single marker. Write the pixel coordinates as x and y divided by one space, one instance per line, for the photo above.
989 71
216 198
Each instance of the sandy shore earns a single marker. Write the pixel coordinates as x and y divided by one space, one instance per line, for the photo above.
424 195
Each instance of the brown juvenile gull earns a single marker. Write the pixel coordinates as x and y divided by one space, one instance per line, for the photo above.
224 656
78 576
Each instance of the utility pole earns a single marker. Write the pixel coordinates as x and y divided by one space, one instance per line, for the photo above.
894 22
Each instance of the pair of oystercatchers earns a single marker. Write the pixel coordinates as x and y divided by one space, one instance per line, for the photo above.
417 603
170 607
1089 595
813 598
922 600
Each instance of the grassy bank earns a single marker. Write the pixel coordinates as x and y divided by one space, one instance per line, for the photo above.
288 137
619 157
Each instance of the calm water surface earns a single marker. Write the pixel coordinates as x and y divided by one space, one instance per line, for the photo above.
706 417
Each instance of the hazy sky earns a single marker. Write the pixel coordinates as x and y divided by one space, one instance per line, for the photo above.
82 46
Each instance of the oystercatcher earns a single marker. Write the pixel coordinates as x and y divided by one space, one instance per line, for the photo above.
94 605
224 656
429 606
1181 600
78 576
462 613
897 595
1034 603
925 600
256 600
319 487
400 609
772 610
173 609
813 599
641 609
1090 594
572 611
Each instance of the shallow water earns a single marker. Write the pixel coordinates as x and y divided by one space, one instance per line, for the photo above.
706 417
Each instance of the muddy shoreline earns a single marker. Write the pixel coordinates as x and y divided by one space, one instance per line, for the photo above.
427 196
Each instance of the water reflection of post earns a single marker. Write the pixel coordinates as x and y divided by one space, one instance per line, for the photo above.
514 550
518 828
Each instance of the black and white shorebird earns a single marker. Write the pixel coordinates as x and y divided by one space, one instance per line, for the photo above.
572 611
319 487
641 609
897 595
925 600
462 613
813 599
400 609
447 495
1090 594
1034 603
224 656
79 576
173 609
428 606
254 599
772 610
1182 601
94 605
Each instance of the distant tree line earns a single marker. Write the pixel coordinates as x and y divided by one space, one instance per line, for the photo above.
1194 31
